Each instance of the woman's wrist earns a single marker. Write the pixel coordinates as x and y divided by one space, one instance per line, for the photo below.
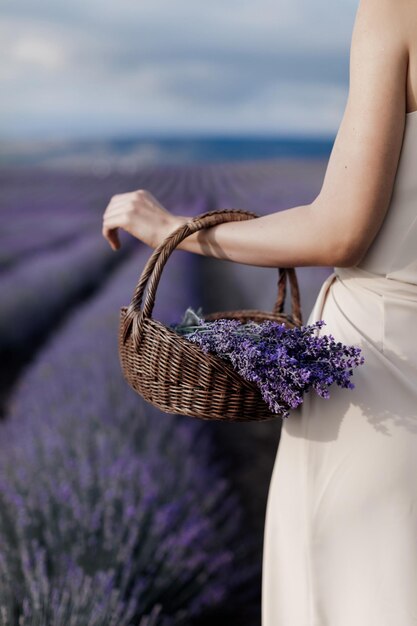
170 226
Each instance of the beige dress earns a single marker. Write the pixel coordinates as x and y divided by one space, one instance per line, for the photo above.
340 539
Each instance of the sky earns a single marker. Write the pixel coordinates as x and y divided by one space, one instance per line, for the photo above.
97 69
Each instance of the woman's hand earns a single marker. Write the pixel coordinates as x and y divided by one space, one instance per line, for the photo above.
140 214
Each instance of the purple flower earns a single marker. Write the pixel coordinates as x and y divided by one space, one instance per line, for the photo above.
109 508
284 362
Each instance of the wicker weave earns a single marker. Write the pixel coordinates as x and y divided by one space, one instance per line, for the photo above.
176 375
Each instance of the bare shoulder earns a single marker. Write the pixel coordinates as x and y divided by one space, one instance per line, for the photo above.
395 20
361 171
373 14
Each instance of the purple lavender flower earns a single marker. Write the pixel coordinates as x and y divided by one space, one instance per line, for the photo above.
284 362
109 508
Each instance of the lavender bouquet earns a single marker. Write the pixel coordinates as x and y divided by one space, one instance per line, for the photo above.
284 362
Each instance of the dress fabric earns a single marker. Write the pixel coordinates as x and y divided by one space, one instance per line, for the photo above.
340 536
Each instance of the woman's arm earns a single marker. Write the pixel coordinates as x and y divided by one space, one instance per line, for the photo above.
337 228
289 238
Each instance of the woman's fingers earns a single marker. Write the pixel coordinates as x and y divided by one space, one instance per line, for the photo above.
112 220
117 213
112 236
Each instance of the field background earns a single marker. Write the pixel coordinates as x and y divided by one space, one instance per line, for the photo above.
112 512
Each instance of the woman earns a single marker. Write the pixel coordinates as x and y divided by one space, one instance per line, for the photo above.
340 542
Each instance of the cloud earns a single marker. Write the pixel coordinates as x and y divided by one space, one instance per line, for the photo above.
94 68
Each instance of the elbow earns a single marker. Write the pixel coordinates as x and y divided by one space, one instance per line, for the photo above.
345 253
344 248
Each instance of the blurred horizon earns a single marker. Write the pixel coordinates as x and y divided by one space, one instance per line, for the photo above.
101 157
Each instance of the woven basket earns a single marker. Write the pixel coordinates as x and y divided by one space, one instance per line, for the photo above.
176 375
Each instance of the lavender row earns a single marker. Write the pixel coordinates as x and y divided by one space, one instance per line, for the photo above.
54 209
47 211
112 512
35 293
33 238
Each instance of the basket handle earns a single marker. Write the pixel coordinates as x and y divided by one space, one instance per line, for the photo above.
135 316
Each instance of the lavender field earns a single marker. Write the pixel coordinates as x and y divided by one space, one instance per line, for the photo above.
111 511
